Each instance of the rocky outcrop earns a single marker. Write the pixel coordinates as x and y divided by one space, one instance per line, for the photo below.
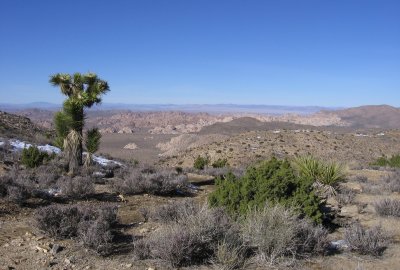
130 146
15 126
125 130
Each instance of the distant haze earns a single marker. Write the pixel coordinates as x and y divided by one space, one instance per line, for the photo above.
210 108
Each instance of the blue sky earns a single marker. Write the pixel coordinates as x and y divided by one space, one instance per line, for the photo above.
282 52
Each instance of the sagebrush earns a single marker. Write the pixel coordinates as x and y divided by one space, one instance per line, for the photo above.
372 241
388 207
90 225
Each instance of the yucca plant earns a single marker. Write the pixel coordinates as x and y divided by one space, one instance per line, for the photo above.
326 175
332 173
308 166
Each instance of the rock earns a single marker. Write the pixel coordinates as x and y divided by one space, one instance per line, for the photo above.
357 187
55 249
29 234
125 130
144 230
42 249
130 146
349 210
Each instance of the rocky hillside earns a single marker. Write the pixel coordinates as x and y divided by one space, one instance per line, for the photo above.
372 116
15 126
176 122
157 122
249 146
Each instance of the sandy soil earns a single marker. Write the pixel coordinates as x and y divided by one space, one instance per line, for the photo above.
145 152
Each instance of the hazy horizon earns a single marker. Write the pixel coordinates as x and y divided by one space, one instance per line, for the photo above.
285 53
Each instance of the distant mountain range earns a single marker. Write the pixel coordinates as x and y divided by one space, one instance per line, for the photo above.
177 117
210 108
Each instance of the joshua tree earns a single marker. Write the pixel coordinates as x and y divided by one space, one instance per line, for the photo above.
82 91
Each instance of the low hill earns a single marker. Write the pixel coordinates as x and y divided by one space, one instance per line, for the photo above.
16 126
371 116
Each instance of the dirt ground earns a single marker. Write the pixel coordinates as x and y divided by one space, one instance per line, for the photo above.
23 247
146 151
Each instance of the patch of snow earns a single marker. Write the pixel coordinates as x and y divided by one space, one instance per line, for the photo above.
49 149
339 244
276 131
104 162
380 134
19 145
1 143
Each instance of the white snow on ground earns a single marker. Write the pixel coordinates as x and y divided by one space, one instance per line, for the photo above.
19 145
49 149
104 162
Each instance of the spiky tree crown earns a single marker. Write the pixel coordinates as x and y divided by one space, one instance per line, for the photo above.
83 89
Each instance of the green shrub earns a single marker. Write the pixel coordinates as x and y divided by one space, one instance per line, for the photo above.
383 161
200 163
220 163
32 157
273 181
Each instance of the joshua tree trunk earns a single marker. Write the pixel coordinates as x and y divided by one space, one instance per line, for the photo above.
80 131
71 148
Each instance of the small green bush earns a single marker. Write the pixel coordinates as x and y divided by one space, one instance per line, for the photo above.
32 157
220 163
384 161
273 181
200 163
